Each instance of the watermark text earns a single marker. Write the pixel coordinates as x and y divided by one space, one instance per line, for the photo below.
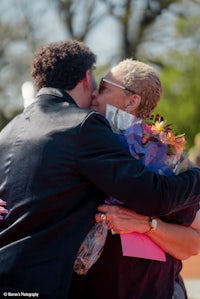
21 294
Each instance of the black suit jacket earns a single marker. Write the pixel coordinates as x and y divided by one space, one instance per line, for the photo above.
57 162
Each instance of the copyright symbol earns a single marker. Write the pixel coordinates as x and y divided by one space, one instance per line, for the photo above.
5 294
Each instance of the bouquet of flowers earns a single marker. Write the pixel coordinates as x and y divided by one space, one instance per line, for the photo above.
154 143
151 140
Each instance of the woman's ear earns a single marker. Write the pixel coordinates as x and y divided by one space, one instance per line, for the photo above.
133 104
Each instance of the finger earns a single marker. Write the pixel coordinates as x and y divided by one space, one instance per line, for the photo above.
102 208
111 224
2 202
113 232
3 210
103 217
100 217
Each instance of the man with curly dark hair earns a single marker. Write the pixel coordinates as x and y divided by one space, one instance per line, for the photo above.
62 65
58 159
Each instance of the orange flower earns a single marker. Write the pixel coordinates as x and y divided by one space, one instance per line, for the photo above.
158 129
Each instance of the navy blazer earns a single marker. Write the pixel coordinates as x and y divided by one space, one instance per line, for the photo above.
57 163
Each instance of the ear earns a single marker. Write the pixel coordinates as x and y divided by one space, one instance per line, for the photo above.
86 80
133 104
89 81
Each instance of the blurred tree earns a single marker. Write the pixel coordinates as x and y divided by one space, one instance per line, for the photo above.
180 103
79 17
25 25
19 37
180 77
133 16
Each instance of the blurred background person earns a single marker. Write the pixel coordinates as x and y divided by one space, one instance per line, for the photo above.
28 93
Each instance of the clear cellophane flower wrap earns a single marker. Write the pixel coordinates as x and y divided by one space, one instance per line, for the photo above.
91 248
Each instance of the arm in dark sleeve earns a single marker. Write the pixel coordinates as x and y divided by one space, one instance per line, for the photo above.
103 160
183 217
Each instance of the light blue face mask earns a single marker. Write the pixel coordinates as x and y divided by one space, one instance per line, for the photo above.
119 120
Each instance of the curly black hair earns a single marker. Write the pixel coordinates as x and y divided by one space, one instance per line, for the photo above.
61 64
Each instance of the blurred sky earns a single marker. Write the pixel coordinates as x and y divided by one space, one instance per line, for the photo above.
105 38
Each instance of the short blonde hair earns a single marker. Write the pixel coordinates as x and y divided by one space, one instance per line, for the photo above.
143 80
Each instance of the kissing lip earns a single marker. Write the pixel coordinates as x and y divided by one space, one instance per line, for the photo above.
92 107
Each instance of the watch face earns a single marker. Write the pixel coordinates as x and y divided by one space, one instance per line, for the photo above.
154 223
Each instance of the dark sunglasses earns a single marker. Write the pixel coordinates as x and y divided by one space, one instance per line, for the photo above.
101 85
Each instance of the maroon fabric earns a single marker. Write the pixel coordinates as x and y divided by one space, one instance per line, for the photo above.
117 277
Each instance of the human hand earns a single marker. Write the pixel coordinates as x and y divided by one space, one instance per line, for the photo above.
2 209
122 220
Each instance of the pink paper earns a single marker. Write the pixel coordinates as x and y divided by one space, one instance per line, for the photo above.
140 245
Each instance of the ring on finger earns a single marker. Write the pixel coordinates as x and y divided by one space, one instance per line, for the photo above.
103 217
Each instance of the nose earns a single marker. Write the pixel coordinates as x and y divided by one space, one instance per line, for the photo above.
94 96
95 93
94 101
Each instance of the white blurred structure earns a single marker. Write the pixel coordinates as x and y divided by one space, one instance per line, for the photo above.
28 93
